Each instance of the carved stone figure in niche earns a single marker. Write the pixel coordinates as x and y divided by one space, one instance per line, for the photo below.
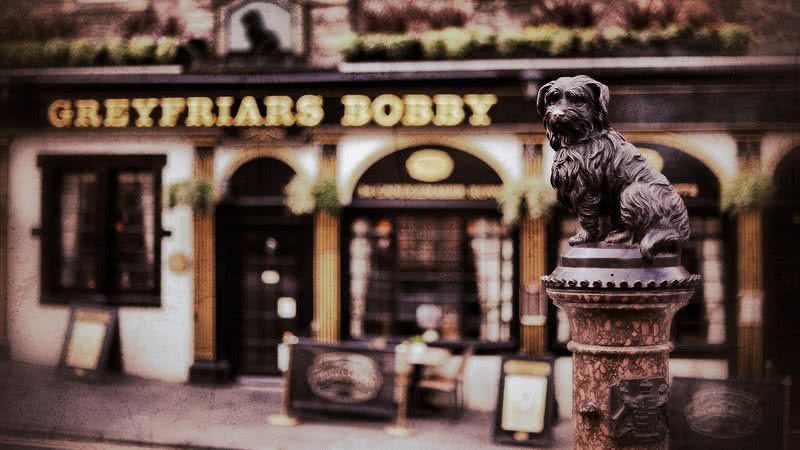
263 41
597 173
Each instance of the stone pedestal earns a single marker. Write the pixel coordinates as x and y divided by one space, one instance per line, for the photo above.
620 310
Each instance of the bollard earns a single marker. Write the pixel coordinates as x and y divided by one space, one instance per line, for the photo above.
284 419
620 309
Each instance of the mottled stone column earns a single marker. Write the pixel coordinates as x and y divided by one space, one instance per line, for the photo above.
620 309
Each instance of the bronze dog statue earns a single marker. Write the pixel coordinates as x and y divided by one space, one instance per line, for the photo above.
597 173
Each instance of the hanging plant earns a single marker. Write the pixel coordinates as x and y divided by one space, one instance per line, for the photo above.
746 191
305 197
196 193
326 196
531 196
299 196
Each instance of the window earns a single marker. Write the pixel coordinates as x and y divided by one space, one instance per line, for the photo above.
410 273
101 229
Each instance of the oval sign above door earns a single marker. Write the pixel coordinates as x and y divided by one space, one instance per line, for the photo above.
429 165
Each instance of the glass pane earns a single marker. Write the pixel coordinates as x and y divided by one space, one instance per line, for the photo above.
78 231
493 254
134 228
415 273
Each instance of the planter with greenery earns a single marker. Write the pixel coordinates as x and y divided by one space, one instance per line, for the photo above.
530 196
196 193
306 196
551 41
138 50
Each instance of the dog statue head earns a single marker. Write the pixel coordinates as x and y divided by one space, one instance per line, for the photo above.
573 109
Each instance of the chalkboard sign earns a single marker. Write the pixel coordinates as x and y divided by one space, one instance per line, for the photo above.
728 414
525 401
351 378
90 333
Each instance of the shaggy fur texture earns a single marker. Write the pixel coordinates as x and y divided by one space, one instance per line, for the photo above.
597 173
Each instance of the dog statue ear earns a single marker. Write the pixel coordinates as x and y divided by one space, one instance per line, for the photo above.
601 97
540 105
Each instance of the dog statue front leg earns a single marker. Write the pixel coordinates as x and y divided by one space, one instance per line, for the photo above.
589 217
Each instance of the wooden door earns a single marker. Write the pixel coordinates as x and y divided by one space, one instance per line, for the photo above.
782 257
264 267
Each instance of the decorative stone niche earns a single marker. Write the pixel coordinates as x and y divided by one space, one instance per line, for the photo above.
260 29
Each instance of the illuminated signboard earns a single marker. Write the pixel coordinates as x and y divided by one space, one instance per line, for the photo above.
387 110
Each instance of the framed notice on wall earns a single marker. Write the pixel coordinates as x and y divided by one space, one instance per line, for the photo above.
90 333
525 401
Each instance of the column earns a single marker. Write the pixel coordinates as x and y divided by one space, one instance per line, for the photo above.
4 148
750 289
206 368
533 261
327 272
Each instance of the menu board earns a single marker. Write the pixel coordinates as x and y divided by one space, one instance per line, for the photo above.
348 378
525 401
90 332
728 414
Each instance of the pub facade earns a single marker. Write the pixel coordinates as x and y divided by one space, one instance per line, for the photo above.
411 161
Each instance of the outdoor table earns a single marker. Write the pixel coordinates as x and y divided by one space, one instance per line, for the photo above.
419 359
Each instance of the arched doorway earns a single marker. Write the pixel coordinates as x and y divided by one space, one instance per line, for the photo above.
705 327
424 249
782 279
263 266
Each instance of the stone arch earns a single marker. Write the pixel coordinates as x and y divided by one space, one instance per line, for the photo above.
774 161
686 145
349 184
281 154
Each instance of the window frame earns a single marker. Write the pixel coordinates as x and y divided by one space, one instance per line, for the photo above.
52 168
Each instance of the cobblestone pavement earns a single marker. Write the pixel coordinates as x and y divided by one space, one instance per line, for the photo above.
125 412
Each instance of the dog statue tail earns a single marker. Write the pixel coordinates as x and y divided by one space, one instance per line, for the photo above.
666 236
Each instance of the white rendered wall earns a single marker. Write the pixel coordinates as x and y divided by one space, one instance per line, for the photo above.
156 341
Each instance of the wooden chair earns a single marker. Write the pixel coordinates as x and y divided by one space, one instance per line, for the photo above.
449 378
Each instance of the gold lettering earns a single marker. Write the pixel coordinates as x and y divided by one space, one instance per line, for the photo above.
144 107
117 115
356 110
224 118
309 110
279 111
387 109
449 110
199 112
480 105
171 108
87 115
60 113
419 110
248 114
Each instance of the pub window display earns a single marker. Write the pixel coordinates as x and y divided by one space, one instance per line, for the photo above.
101 239
412 273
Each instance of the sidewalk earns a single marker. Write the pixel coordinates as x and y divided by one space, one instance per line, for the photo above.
35 399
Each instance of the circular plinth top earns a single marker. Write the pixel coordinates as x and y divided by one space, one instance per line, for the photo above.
618 267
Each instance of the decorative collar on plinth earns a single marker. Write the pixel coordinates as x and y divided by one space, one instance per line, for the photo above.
619 267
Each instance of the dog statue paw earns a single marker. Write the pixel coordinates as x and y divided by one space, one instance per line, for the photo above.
596 171
580 238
